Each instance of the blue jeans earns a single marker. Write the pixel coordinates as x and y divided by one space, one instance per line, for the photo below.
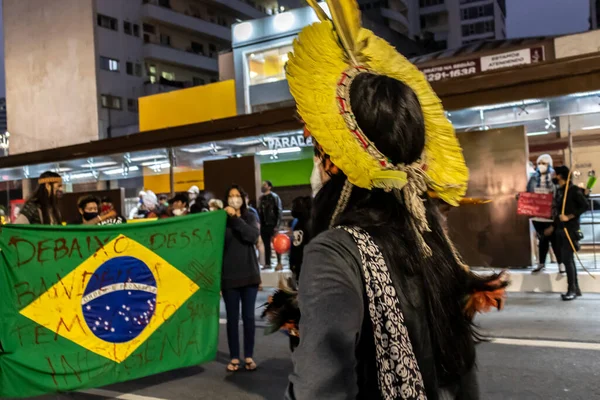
232 298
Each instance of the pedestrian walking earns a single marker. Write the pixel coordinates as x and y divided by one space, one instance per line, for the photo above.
566 227
240 276
269 210
541 182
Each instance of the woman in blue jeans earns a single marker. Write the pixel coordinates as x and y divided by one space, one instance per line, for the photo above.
240 276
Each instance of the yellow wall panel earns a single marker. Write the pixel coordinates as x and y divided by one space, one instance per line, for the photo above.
159 183
187 106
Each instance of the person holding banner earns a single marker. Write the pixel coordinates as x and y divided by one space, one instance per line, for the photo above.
42 206
566 225
541 183
240 276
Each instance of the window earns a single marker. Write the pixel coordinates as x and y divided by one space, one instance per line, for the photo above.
430 3
477 12
478 28
213 80
129 68
149 29
146 38
138 69
109 64
132 105
268 65
127 28
170 76
152 73
212 51
197 48
108 22
198 81
136 30
111 102
164 3
165 40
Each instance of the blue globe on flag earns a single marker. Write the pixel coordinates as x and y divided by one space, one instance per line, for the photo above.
120 299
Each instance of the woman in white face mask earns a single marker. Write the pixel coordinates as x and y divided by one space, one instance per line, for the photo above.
240 277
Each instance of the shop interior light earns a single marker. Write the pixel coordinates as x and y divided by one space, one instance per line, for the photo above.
284 22
81 175
243 31
98 164
540 133
202 149
585 94
150 157
528 102
279 151
121 170
591 128
160 164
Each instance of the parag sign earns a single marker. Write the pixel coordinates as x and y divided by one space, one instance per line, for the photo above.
284 142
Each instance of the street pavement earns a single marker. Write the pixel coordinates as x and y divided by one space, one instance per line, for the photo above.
545 349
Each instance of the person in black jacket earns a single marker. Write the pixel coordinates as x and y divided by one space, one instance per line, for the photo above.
240 276
568 219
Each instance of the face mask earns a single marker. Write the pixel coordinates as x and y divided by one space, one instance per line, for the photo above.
543 168
89 216
555 181
263 189
192 196
235 202
177 212
213 209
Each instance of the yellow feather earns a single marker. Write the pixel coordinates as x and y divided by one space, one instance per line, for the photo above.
347 23
318 10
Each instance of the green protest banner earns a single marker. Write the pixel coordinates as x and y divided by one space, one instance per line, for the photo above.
84 307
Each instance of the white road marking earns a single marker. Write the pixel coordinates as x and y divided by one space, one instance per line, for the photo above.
547 343
109 394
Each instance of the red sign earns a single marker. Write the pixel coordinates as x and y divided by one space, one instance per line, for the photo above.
535 205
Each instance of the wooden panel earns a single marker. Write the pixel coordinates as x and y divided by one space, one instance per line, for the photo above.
492 234
220 174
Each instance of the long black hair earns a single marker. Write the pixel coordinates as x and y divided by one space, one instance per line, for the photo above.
244 208
390 115
47 201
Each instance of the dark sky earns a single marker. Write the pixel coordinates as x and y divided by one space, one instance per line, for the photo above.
546 17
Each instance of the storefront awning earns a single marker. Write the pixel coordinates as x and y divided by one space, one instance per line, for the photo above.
552 78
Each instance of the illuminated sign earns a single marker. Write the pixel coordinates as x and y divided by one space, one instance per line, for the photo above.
284 142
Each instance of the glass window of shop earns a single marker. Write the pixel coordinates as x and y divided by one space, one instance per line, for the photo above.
267 65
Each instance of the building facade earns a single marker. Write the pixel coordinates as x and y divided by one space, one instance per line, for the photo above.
594 14
93 59
452 23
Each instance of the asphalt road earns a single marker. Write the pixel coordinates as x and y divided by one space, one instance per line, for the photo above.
547 349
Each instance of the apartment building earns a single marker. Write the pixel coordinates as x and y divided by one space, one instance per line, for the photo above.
453 23
92 59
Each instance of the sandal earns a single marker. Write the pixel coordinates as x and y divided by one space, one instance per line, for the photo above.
233 366
250 365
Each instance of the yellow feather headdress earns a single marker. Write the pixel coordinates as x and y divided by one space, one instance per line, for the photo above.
327 56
